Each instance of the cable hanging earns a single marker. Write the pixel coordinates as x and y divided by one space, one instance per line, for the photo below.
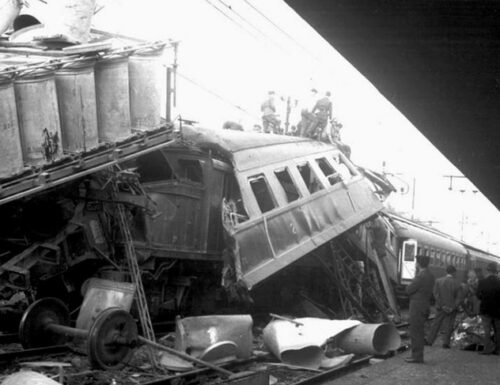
218 96
280 29
231 19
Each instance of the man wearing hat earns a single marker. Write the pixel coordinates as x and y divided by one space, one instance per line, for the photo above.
420 293
488 291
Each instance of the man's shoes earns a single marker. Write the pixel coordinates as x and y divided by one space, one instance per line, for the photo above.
412 360
446 346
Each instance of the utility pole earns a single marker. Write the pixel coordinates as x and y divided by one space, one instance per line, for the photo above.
288 110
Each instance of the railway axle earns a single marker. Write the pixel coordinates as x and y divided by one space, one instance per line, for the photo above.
110 341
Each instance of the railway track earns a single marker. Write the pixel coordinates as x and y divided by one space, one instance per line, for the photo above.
12 356
196 376
85 375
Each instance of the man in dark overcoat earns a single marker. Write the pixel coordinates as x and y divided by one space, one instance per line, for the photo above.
449 296
420 293
488 292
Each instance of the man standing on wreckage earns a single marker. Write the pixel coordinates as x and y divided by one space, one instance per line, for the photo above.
420 293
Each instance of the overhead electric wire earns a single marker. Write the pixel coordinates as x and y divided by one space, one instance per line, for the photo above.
281 30
242 18
257 38
204 88
231 19
265 35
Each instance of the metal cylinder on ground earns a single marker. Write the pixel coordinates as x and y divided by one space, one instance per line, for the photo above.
112 96
77 106
38 116
370 339
146 84
11 158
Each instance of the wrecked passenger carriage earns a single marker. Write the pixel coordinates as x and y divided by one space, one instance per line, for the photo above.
209 207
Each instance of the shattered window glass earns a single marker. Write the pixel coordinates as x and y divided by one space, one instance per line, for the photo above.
153 167
340 165
330 173
311 180
234 206
191 169
262 193
286 182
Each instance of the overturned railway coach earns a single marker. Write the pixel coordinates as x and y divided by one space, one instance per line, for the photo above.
211 206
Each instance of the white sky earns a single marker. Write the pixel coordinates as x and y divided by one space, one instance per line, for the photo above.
239 54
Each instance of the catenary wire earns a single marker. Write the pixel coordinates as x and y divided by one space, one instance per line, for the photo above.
206 89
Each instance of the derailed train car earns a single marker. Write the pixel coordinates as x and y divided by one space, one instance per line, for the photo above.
211 213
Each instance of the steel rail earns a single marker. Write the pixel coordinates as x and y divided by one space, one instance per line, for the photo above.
333 373
9 338
36 352
167 380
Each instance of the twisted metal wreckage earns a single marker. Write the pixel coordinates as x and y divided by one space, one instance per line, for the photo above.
204 207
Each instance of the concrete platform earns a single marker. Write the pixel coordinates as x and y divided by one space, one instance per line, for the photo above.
442 366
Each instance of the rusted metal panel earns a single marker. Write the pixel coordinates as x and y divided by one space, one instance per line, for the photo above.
178 224
273 241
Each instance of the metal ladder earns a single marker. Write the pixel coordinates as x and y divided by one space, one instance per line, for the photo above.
347 272
135 272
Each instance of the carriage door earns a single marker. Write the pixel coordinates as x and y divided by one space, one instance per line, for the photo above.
408 263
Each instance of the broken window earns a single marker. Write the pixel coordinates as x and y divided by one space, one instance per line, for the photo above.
343 169
330 173
153 167
286 182
191 169
311 180
233 203
262 193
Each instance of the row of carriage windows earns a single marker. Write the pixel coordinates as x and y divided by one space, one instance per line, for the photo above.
442 259
264 195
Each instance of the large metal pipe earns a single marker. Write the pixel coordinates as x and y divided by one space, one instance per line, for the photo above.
370 339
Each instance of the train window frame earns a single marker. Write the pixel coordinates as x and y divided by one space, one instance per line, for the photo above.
270 199
330 172
346 169
193 169
161 173
316 183
291 182
406 255
233 200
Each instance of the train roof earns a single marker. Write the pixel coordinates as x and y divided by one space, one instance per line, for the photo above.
240 146
475 252
408 228
432 237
